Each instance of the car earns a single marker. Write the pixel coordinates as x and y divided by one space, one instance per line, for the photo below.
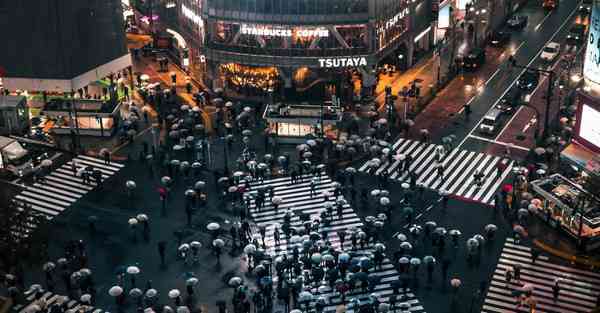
512 99
517 21
528 80
576 34
584 9
499 38
550 52
474 59
491 120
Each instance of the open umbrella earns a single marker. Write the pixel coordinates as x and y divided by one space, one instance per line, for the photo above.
132 221
454 232
440 231
219 243
455 282
428 259
490 228
174 293
85 298
379 247
401 237
49 266
415 261
135 293
150 293
384 201
406 245
133 270
192 281
250 249
142 217
130 184
404 260
479 239
213 226
46 163
235 281
182 309
115 291
472 243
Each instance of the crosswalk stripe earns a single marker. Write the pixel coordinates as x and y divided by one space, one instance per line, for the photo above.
297 198
578 290
81 164
58 190
459 168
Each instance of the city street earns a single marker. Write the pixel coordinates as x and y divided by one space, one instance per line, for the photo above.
242 174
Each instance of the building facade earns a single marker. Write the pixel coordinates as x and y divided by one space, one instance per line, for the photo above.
254 47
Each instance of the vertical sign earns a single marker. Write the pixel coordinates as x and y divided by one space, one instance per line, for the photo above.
591 65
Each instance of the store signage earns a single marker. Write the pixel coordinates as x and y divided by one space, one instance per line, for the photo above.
283 32
192 16
591 65
395 19
343 62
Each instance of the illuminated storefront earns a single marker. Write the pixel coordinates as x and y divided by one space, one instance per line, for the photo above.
86 117
293 123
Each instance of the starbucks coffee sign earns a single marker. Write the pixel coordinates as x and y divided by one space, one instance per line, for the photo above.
343 62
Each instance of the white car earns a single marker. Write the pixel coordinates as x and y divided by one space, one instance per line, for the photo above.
550 52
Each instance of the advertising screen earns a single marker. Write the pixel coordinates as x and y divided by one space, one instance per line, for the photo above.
591 65
589 127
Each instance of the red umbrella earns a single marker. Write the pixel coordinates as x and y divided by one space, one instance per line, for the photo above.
507 188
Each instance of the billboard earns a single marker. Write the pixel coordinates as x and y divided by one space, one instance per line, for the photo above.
589 127
591 65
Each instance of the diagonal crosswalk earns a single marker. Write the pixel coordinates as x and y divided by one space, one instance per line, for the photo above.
48 299
61 188
578 288
297 198
460 167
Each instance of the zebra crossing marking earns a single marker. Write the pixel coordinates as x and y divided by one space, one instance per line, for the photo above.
58 190
297 198
459 168
578 290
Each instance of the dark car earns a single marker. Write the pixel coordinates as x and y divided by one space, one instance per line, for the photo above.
585 7
512 98
528 80
499 38
474 59
576 34
517 21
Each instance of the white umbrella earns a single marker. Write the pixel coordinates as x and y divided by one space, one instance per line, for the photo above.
375 192
384 201
145 77
191 281
277 200
165 180
133 270
142 217
46 163
404 260
115 291
135 292
132 221
235 281
213 226
250 249
151 293
130 184
183 309
199 185
174 293
415 261
195 244
219 243
455 282
401 237
85 298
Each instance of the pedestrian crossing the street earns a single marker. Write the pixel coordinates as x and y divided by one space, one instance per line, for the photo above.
63 186
46 299
304 207
459 169
577 292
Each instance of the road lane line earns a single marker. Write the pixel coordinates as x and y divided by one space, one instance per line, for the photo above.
537 27
515 80
502 143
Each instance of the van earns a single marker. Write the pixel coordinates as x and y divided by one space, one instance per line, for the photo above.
490 121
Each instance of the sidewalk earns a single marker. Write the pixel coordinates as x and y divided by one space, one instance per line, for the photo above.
148 66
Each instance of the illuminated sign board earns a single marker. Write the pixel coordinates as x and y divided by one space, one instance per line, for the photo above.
192 16
283 31
343 62
393 21
591 65
589 127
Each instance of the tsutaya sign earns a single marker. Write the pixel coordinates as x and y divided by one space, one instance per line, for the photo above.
283 31
343 62
591 65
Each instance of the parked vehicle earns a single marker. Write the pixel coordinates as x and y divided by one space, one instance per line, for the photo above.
528 80
517 21
474 59
14 159
550 52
